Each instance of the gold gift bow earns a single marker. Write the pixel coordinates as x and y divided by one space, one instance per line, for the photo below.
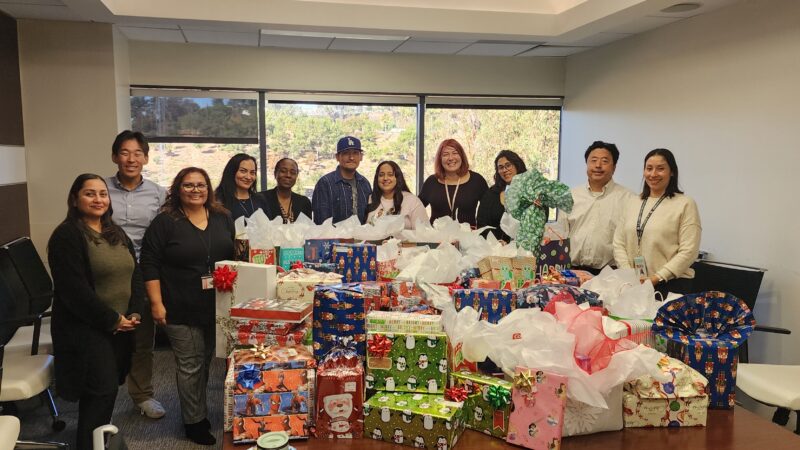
523 381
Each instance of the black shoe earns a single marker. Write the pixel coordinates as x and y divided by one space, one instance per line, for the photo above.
206 424
197 433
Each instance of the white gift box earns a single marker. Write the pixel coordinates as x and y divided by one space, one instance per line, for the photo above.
580 418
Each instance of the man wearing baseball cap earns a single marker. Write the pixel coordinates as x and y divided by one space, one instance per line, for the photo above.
343 192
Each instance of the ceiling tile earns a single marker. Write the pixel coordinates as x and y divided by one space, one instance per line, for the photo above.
41 12
495 49
431 47
553 50
597 40
274 40
152 34
222 37
643 24
364 45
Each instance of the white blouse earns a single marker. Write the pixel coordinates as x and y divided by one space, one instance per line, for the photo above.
412 209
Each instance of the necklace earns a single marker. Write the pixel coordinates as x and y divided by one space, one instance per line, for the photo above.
288 217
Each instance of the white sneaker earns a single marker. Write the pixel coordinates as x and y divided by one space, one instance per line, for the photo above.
151 408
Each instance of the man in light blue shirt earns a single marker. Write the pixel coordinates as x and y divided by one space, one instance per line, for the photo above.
343 192
136 202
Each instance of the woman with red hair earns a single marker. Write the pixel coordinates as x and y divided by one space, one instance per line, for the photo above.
453 190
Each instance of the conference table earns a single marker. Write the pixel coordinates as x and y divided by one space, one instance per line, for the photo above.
738 429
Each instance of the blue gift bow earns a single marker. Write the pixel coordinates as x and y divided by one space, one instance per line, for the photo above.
248 375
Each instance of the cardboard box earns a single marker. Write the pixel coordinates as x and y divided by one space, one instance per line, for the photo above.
356 262
338 312
484 412
493 303
537 414
416 420
414 362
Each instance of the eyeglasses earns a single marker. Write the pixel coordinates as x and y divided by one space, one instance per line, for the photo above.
505 167
189 187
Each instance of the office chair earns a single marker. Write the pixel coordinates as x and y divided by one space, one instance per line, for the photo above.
770 384
9 432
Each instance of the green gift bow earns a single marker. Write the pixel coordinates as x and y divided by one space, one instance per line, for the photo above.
498 396
525 189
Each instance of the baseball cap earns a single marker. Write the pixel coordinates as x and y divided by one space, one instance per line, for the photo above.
348 143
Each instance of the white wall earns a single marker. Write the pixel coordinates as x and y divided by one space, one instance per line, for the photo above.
154 63
12 164
721 91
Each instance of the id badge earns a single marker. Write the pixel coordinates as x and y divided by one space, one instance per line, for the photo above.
640 266
207 282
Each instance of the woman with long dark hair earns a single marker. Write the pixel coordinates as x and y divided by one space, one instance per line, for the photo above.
280 200
237 188
181 246
493 204
659 233
453 190
98 296
391 196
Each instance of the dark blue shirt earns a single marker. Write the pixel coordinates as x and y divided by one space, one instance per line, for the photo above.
333 197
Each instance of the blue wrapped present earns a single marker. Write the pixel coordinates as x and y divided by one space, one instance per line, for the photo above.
493 303
319 250
705 331
338 313
356 262
540 295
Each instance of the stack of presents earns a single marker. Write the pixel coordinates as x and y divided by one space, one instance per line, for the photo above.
329 348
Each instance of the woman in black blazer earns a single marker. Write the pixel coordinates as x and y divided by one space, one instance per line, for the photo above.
493 204
280 200
98 296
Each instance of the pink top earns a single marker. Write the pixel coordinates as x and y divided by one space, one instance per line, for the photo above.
412 209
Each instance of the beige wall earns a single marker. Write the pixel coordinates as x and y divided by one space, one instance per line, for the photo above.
122 78
721 91
69 110
155 63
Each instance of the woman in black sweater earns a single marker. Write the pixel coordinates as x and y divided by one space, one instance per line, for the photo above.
179 251
493 204
237 188
98 296
280 200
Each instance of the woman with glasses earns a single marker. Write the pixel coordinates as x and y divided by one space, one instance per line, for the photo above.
237 188
493 204
181 246
280 200
391 196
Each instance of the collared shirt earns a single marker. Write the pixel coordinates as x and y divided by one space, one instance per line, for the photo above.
591 224
135 209
333 197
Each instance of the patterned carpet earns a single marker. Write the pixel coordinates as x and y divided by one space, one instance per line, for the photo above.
140 432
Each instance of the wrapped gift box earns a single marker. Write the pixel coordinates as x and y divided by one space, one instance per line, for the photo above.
636 330
498 268
340 395
262 255
356 262
537 414
680 402
228 387
269 326
539 296
263 357
248 429
245 338
290 255
270 403
338 312
252 281
416 420
580 418
493 303
272 309
488 402
376 295
319 250
321 267
299 284
524 269
407 296
407 362
456 360
717 360
399 322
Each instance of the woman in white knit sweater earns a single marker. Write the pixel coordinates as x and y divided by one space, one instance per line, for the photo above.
659 233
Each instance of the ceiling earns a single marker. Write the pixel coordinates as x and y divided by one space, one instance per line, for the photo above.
520 28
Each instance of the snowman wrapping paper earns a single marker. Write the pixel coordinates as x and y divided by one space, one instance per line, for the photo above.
416 420
406 362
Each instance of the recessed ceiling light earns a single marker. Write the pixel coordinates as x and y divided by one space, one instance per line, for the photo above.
682 7
373 37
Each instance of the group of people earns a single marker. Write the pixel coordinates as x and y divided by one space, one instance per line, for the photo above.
131 255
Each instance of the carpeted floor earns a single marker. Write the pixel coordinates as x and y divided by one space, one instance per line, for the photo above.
140 432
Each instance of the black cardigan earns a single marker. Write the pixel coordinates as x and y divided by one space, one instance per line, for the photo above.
82 325
490 212
300 204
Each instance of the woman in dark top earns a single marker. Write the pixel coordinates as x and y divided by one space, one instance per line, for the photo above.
98 299
237 188
281 201
179 251
493 204
453 190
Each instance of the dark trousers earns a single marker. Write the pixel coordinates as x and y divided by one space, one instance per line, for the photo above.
193 348
140 378
93 411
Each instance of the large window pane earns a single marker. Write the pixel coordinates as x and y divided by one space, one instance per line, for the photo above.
195 116
308 133
167 159
531 133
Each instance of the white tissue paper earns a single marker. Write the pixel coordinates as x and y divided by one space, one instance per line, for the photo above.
259 231
509 225
325 230
388 251
623 295
384 227
439 265
239 226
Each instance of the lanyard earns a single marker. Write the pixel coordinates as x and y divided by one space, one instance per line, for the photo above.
206 245
452 204
252 208
639 224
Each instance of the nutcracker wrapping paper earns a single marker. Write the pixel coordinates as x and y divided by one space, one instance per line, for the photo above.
493 303
250 281
488 402
299 284
537 414
407 362
399 322
539 296
319 250
356 262
705 330
340 394
338 312
417 420
679 402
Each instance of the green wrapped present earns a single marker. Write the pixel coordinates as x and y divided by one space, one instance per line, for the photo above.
407 362
488 402
417 420
526 192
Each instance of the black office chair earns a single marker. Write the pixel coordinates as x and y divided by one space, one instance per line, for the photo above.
32 271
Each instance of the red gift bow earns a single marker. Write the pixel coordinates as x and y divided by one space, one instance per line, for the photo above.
296 265
224 278
379 346
455 394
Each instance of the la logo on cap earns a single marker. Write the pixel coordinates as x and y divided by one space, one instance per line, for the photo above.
350 142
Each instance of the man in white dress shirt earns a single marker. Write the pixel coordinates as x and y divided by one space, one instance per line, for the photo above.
598 207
